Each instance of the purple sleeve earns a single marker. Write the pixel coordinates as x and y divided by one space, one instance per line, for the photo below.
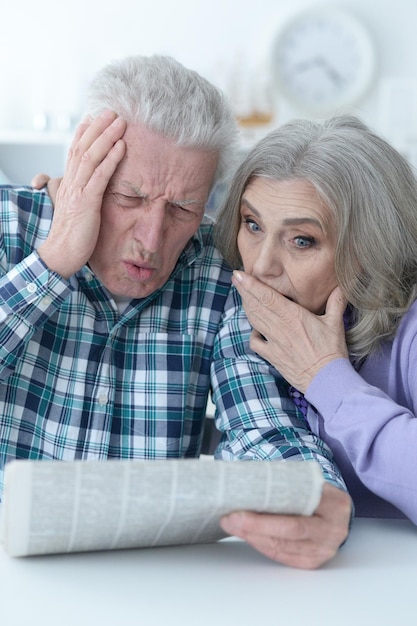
378 434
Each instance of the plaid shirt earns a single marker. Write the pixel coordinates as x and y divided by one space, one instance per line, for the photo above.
79 380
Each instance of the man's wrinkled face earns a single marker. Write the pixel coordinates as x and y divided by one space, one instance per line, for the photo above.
153 205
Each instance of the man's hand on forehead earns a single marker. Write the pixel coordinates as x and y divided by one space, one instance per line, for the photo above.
95 153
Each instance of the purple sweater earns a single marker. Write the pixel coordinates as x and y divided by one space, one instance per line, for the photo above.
368 418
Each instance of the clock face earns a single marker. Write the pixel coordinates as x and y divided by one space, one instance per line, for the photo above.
323 60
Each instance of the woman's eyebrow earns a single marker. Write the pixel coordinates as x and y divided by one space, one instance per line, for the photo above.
297 221
249 205
288 221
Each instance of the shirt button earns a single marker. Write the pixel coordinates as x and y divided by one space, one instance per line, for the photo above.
88 277
31 287
102 399
46 300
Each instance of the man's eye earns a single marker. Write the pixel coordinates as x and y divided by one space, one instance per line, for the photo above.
184 212
129 201
132 201
178 207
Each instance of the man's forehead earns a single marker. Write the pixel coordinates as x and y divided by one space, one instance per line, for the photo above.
155 164
187 180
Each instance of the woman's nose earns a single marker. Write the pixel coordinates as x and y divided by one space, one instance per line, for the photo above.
267 262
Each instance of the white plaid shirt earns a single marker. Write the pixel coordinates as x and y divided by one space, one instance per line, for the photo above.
79 380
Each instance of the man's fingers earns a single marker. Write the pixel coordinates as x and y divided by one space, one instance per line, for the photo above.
94 146
245 524
289 540
100 176
300 541
302 555
89 130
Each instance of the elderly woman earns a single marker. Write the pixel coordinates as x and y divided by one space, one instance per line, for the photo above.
323 219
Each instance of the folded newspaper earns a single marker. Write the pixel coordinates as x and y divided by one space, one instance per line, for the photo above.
75 506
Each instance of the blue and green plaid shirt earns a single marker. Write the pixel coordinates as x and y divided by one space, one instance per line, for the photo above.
79 380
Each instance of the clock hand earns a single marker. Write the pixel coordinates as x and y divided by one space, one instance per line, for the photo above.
304 66
334 76
319 61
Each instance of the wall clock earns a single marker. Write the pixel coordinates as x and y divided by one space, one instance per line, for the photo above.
323 60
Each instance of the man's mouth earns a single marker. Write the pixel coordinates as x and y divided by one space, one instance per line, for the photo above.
139 272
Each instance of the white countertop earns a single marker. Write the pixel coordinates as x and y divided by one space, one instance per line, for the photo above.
371 582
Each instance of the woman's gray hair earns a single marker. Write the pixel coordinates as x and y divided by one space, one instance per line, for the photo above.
169 99
372 192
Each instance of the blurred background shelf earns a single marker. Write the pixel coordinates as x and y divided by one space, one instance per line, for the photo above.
26 153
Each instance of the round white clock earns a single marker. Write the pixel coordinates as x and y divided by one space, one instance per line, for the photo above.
323 60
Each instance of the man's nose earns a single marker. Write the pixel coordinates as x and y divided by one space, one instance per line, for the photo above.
150 227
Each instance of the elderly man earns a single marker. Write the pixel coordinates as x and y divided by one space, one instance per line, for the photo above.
117 312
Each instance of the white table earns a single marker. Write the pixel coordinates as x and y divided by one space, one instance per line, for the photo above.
371 582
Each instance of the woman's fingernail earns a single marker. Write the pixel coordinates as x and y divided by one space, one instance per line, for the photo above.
238 275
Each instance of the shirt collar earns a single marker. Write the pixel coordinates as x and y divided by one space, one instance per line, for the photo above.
191 251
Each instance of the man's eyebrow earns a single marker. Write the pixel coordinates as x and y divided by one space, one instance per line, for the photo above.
134 189
138 192
185 202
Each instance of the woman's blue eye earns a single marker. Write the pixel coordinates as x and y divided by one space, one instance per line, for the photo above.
304 242
253 226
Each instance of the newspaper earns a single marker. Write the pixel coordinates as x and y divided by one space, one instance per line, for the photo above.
74 506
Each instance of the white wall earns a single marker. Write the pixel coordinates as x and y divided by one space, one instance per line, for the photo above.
49 49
